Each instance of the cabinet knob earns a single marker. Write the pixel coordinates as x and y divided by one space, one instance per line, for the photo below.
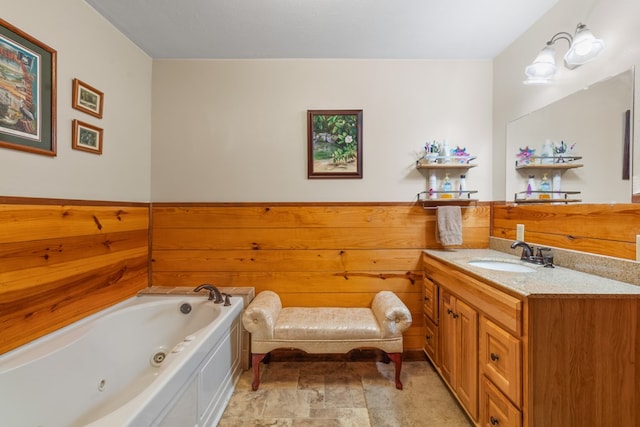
426 298
494 421
494 357
428 337
455 315
449 311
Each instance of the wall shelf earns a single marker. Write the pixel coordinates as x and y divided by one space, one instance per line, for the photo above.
563 200
557 162
455 162
464 201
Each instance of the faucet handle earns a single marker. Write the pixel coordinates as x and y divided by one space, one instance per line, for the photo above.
227 299
547 258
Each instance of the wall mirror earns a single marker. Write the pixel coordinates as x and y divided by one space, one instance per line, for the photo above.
597 121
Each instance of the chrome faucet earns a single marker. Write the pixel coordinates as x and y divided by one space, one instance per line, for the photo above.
214 293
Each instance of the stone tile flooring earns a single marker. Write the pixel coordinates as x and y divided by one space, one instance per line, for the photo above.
343 393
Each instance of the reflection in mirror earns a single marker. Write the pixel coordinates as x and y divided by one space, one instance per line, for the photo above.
594 121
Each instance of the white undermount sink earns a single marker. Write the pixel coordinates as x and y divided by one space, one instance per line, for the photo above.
501 266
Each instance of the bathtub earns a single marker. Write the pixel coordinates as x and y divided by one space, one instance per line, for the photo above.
148 361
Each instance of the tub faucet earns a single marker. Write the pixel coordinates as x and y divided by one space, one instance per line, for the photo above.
214 293
527 250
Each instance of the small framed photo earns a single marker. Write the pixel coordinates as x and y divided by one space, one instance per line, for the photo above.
334 139
86 137
87 99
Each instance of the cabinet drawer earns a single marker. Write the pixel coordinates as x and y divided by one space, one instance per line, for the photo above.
430 299
495 408
431 340
501 359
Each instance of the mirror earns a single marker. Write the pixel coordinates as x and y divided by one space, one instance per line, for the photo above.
597 122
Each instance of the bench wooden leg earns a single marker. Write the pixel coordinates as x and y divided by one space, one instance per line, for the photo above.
397 359
256 358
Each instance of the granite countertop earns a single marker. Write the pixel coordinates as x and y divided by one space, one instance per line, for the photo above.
557 281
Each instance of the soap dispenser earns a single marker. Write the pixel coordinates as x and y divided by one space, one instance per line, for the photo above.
545 187
447 188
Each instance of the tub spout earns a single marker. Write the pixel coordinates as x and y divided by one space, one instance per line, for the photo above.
214 293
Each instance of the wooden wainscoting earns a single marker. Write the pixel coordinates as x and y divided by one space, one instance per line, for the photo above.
64 260
594 228
312 254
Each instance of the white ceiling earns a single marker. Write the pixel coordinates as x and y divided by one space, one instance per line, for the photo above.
367 29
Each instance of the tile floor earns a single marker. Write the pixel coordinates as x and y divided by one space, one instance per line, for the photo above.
343 393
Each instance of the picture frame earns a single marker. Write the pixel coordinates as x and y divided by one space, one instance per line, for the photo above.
27 92
334 144
87 99
86 137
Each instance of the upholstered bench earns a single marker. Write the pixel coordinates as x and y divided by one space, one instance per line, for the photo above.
326 329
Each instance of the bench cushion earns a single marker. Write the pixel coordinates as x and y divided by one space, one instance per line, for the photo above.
326 323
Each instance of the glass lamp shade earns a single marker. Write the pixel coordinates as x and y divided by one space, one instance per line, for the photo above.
542 68
584 48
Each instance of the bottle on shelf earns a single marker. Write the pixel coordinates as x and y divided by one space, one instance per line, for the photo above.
462 186
547 152
433 186
446 152
556 186
531 187
447 188
545 187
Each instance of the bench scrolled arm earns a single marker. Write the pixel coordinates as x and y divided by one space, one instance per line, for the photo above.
393 316
260 316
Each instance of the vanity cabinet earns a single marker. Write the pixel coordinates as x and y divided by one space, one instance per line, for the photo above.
549 359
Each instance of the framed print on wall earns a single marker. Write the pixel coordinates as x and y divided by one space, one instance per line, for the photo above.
27 92
87 99
86 137
334 140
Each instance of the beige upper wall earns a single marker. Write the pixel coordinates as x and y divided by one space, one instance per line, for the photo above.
89 48
615 21
236 131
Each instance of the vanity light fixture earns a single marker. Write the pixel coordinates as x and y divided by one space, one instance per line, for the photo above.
583 47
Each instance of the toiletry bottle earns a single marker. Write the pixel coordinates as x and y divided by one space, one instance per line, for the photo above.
545 187
433 186
446 152
462 187
447 188
547 152
556 186
531 187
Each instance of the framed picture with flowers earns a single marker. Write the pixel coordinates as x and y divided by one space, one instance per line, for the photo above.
334 139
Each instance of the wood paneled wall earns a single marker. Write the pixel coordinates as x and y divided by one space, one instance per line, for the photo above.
61 261
311 254
594 228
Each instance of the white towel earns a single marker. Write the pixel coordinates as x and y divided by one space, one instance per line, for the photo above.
449 225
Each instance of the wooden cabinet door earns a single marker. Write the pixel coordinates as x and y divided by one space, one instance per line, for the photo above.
447 338
467 363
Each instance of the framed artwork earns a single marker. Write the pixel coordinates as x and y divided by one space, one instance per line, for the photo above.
87 99
86 137
334 139
27 92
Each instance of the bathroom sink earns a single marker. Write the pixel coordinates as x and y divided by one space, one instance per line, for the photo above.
501 266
